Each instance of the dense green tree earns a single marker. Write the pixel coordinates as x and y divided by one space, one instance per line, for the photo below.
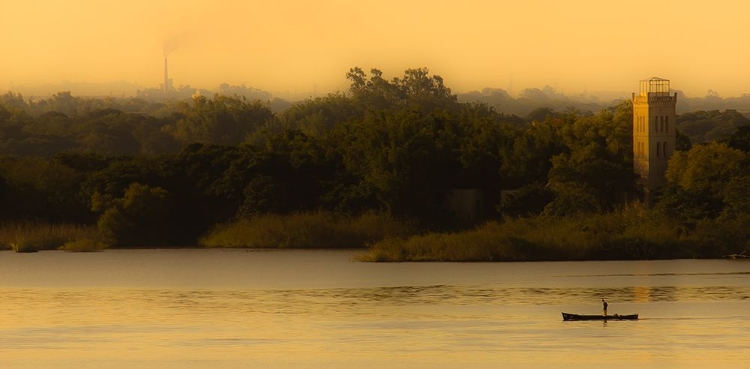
137 219
416 90
220 120
85 162
4 115
540 115
706 168
706 182
265 195
706 126
527 201
682 142
373 94
315 117
293 174
480 135
109 131
13 100
402 160
201 180
425 92
33 145
63 102
13 114
740 139
133 105
598 164
50 123
36 188
415 143
528 160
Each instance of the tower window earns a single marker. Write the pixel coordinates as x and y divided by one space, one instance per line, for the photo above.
658 149
661 121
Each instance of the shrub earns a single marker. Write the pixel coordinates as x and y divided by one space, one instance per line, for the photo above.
139 218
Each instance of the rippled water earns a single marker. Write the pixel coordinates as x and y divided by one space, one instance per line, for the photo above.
319 309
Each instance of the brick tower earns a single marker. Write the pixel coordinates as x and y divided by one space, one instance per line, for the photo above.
654 135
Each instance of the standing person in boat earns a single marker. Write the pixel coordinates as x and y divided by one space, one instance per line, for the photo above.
604 307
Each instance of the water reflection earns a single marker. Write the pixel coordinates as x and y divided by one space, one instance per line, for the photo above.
303 300
642 294
486 295
309 301
343 300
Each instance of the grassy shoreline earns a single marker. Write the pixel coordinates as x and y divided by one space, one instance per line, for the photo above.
26 237
617 236
307 230
627 235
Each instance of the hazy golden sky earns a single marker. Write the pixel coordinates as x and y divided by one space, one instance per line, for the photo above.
294 45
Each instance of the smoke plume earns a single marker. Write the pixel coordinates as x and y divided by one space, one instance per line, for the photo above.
170 44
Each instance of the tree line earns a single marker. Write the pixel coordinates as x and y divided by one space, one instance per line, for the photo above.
164 175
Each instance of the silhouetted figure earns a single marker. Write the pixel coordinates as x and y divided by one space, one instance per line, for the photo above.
604 307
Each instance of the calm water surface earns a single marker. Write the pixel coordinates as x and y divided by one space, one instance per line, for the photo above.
320 309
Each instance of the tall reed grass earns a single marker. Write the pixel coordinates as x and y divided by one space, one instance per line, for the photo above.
307 230
36 236
630 234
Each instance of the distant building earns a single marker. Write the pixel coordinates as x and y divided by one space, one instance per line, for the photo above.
654 134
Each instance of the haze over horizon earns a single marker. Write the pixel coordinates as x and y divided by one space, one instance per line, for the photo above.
291 46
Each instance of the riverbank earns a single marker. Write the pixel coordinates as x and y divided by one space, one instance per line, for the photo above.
627 235
27 237
307 231
313 230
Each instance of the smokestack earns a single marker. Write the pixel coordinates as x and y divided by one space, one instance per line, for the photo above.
166 79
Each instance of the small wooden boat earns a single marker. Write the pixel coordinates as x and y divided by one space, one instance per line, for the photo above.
567 317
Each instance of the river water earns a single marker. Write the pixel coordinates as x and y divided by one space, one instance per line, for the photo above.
321 309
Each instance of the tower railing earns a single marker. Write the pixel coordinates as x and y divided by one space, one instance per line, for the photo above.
654 87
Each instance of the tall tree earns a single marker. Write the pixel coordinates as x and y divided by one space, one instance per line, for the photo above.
598 163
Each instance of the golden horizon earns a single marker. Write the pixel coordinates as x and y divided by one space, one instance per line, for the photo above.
291 45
